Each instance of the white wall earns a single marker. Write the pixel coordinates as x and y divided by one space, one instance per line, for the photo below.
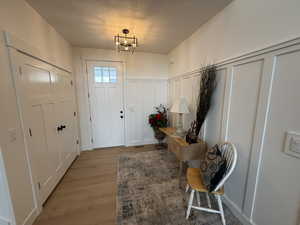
241 27
145 73
255 103
18 18
5 206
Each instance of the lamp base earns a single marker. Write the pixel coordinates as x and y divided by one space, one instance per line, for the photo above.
179 129
180 132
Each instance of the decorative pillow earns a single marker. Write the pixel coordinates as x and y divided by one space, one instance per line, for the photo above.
218 176
213 167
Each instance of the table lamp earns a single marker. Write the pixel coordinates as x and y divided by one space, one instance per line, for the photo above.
180 106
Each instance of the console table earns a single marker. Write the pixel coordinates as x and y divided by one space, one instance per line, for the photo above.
183 150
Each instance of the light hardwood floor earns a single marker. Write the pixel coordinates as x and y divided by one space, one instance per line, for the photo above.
87 193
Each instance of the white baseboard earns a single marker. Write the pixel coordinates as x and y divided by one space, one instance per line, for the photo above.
128 144
237 211
86 148
29 220
144 142
4 221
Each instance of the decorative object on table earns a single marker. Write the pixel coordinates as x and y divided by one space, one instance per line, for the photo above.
180 107
191 136
207 87
158 120
148 192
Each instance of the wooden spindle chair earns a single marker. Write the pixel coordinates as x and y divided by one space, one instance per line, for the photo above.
196 183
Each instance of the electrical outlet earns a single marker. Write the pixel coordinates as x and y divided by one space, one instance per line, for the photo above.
12 135
292 144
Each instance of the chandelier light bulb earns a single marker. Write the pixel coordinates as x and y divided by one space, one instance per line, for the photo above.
126 48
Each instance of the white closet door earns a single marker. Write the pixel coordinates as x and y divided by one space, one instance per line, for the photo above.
47 102
37 118
65 108
68 133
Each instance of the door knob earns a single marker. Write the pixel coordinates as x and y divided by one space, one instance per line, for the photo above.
63 127
121 117
121 111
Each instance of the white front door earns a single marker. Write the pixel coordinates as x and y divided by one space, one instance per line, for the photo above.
106 102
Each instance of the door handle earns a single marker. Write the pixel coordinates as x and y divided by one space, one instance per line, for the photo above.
59 128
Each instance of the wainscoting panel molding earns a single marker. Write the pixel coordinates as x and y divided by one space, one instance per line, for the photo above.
254 105
142 95
214 118
4 221
244 96
278 170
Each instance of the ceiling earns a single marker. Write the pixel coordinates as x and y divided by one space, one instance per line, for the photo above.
160 25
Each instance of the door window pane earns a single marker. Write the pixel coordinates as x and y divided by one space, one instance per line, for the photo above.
113 75
105 74
98 74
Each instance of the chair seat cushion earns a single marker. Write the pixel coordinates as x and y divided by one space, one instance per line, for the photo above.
196 182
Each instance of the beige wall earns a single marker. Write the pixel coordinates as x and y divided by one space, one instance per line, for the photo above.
19 19
241 27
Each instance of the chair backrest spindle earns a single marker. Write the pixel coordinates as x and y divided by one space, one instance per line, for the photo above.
229 153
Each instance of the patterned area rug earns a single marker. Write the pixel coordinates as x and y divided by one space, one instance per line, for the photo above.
149 193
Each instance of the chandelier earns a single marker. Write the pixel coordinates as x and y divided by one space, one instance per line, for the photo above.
125 43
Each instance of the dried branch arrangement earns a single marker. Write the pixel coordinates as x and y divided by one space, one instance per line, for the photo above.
207 87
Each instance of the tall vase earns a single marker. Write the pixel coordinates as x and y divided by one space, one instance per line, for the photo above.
160 136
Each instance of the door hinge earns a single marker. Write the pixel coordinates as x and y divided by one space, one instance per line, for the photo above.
77 141
88 94
71 83
39 185
92 140
90 118
74 113
30 132
20 70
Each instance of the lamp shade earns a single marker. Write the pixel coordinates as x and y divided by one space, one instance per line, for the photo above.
180 106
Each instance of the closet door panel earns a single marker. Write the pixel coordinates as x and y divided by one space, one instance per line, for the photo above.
62 86
69 132
41 154
64 98
59 113
36 111
52 136
36 84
